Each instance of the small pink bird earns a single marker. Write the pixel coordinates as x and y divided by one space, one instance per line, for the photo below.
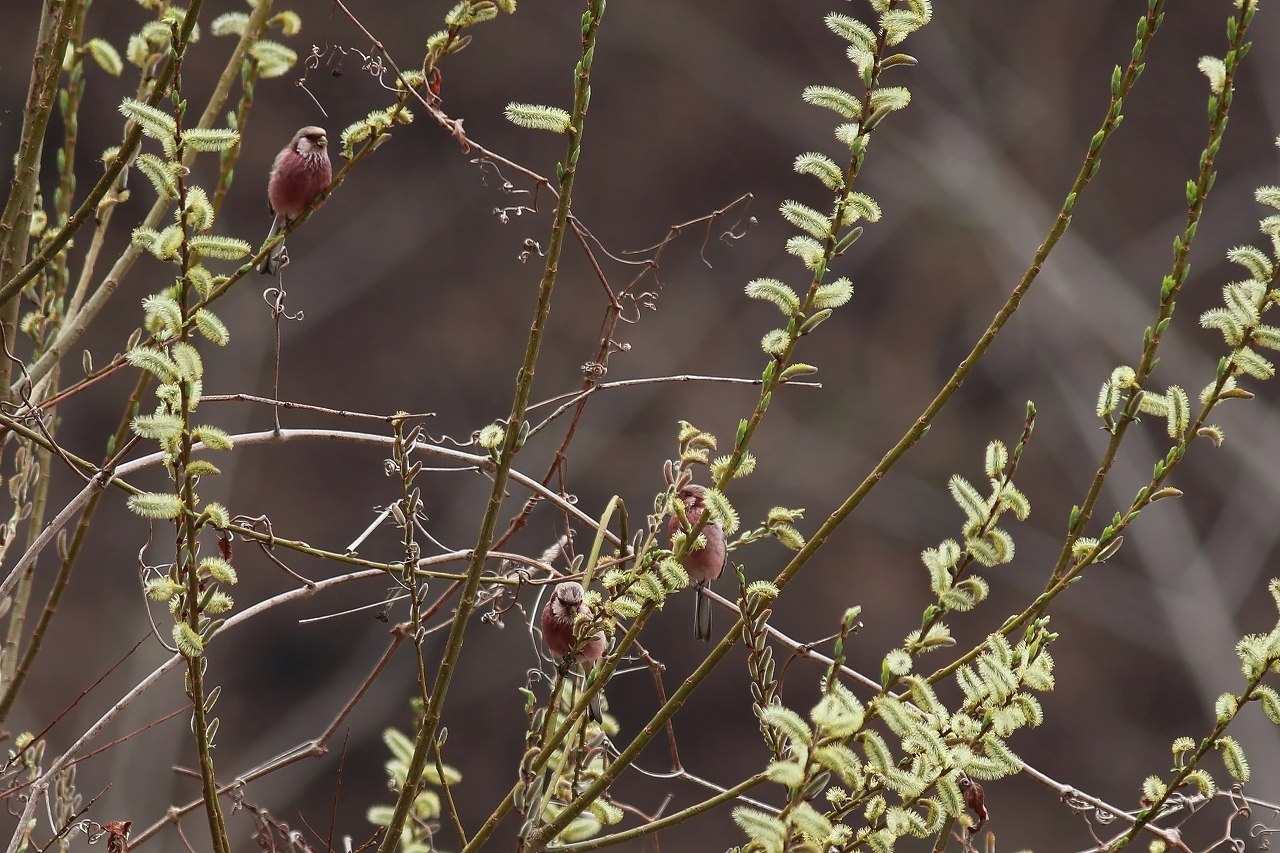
300 172
704 564
557 630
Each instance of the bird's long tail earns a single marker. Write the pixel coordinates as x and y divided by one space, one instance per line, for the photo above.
702 613
270 262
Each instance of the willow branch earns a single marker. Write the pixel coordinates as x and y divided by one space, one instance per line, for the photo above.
57 21
1064 574
68 562
75 326
132 138
1066 792
42 782
313 748
506 456
664 823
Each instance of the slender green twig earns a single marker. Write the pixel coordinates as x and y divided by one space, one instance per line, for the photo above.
524 383
188 526
1064 572
74 326
57 22
1122 83
53 291
945 835
449 804
1121 86
663 823
133 136
248 80
13 685
1148 813
772 378
1196 196
593 559
69 100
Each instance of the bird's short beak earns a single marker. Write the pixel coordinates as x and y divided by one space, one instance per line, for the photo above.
323 141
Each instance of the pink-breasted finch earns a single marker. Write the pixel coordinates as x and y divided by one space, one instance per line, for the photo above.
300 172
562 608
703 564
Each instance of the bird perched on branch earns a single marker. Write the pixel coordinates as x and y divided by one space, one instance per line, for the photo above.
558 617
703 564
301 171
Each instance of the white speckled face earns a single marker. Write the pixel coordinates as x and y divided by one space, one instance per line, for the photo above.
569 592
565 600
312 142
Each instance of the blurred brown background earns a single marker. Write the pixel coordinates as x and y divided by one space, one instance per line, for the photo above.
414 299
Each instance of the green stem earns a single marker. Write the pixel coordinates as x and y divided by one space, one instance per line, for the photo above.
1170 289
539 840
248 79
664 823
1089 168
524 382
69 107
944 836
75 94
209 785
601 530
22 597
69 560
123 157
918 429
449 804
1064 573
188 528
1145 816
57 21
14 672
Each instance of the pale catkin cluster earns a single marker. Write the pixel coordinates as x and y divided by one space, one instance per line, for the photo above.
173 359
